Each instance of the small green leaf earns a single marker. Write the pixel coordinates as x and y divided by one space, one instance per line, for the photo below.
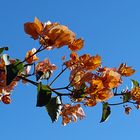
12 70
135 83
54 108
2 49
80 93
83 87
43 96
126 97
106 112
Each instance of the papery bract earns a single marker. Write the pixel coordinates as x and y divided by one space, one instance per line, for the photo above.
34 29
71 113
76 45
85 62
127 110
31 56
111 78
45 66
135 94
124 70
58 35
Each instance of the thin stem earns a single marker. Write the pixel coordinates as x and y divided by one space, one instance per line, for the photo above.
114 104
63 88
28 80
118 94
117 103
57 76
60 88
38 50
60 94
28 64
28 75
132 102
69 85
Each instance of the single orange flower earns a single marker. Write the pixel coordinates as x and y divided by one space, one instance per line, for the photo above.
111 78
71 113
58 35
31 56
93 62
104 95
127 110
124 70
76 45
90 102
34 29
95 86
135 93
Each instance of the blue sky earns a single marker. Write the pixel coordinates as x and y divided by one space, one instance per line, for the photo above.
111 28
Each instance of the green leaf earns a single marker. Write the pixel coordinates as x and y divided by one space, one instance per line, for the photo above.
12 70
135 83
80 93
2 49
106 112
43 96
126 97
54 108
83 87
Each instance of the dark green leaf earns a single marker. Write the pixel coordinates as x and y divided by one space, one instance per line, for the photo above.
83 87
135 83
2 49
126 97
106 112
43 96
80 93
54 108
12 70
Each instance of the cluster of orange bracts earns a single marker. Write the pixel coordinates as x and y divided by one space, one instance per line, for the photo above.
52 35
85 70
98 81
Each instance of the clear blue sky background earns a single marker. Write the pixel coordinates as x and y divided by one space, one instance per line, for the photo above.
110 28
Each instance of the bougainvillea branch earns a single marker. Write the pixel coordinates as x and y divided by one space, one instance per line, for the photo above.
90 82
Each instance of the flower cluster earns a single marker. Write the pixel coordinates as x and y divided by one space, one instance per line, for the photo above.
53 35
71 113
135 94
5 90
45 66
99 82
89 81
